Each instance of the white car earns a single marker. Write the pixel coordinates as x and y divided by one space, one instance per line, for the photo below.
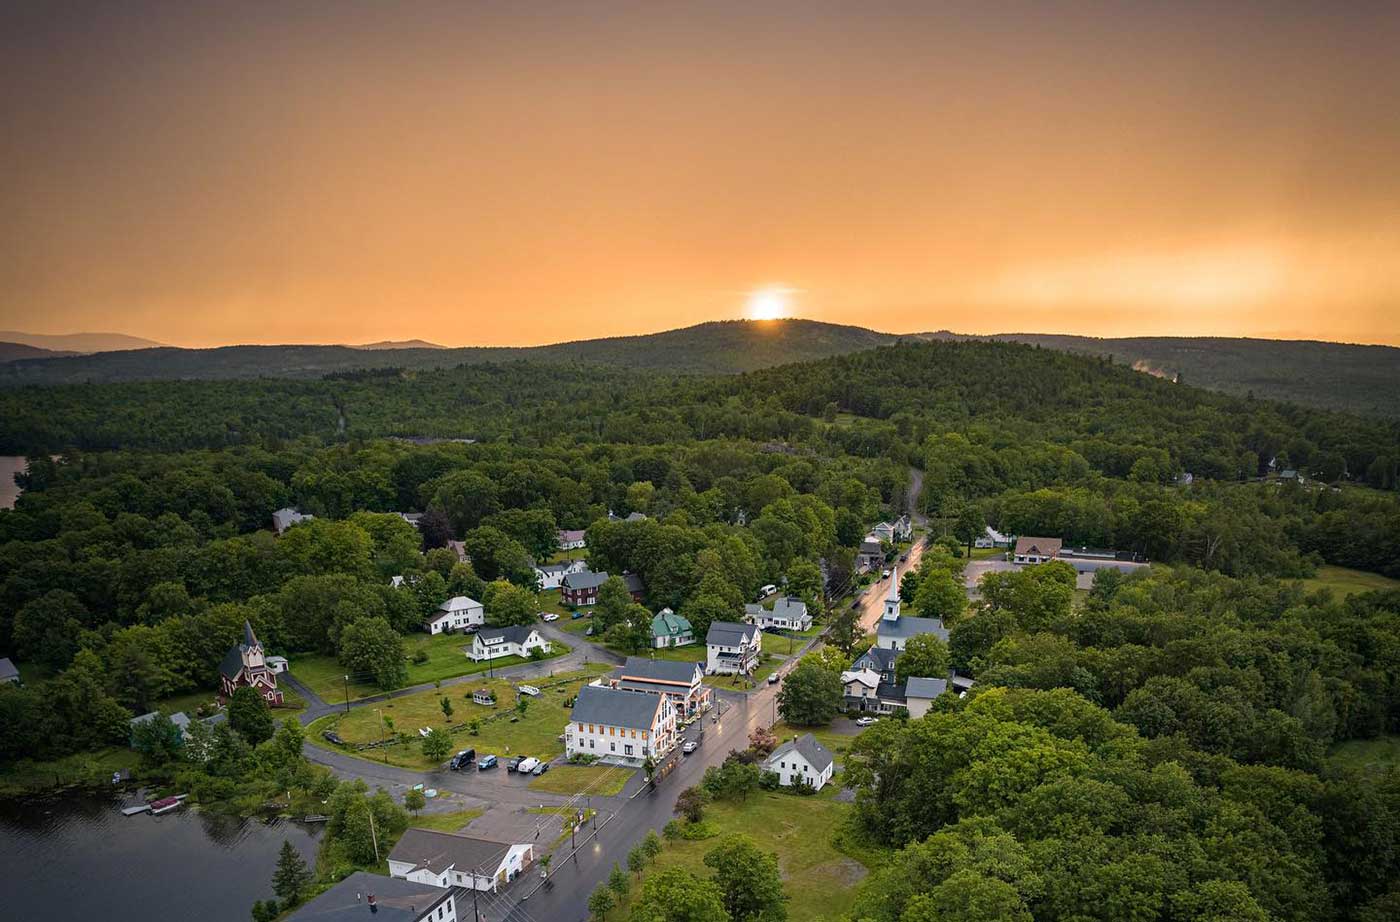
766 591
690 746
530 690
548 616
866 721
885 574
527 766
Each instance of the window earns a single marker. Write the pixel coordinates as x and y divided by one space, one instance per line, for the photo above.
612 747
627 749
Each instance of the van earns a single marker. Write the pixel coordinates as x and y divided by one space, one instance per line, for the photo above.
766 591
462 759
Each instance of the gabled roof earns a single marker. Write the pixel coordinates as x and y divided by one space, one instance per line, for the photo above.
612 707
789 607
8 670
397 900
924 688
511 633
669 624
806 745
232 663
438 851
867 677
871 545
881 659
634 583
1040 547
586 579
568 566
569 535
459 603
658 670
890 691
906 627
730 633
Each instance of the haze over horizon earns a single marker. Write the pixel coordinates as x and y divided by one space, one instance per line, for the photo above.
535 174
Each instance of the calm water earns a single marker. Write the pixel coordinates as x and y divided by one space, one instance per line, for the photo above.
77 857
10 465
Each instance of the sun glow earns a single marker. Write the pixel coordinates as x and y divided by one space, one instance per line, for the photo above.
771 302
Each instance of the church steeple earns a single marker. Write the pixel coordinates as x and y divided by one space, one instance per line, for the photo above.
892 600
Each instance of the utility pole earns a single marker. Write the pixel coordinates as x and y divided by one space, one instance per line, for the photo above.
347 694
373 836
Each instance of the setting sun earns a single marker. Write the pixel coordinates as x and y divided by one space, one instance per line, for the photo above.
769 303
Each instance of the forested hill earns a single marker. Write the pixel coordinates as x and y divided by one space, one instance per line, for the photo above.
1339 376
720 347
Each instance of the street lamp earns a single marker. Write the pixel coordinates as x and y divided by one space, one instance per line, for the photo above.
347 694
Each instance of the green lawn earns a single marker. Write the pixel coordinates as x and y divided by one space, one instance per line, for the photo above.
1367 756
600 780
738 683
691 653
781 645
1343 582
534 734
818 877
838 743
446 659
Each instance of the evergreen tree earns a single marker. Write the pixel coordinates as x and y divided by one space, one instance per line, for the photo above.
292 876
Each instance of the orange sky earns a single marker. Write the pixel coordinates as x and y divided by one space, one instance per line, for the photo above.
532 172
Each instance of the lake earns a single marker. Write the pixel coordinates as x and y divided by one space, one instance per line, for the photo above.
74 856
10 465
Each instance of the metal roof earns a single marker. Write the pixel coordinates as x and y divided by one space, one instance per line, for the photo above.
613 707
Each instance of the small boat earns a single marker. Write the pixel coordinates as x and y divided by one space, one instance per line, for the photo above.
164 805
132 811
315 818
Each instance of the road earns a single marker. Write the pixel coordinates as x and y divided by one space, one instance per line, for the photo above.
873 602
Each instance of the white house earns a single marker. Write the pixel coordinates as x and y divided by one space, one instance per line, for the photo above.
867 690
732 648
683 682
551 575
571 539
442 859
513 640
788 614
903 528
455 614
801 758
363 896
620 726
669 629
992 538
286 517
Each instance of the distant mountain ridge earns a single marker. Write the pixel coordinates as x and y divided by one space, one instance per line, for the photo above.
77 342
9 352
1339 376
1361 379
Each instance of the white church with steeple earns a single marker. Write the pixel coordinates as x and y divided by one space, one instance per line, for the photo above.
895 629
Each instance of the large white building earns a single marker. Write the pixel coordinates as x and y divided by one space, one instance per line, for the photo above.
442 859
457 613
616 725
683 682
895 630
800 759
732 648
513 640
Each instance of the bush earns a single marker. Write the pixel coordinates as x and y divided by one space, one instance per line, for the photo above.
420 657
672 830
803 787
695 832
769 781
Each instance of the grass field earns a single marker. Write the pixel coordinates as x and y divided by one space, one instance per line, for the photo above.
818 877
444 822
1367 756
534 734
838 743
446 660
1343 582
599 780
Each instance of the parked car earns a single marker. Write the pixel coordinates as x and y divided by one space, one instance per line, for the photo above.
589 632
514 763
462 759
332 737
884 574
541 768
530 690
766 591
527 765
575 616
773 678
690 746
485 762
866 721
549 616
903 557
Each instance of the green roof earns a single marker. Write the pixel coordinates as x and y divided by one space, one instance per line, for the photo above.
669 624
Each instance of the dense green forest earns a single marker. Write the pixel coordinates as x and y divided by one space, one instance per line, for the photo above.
1156 751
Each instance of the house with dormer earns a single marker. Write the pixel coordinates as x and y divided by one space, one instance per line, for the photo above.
732 648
